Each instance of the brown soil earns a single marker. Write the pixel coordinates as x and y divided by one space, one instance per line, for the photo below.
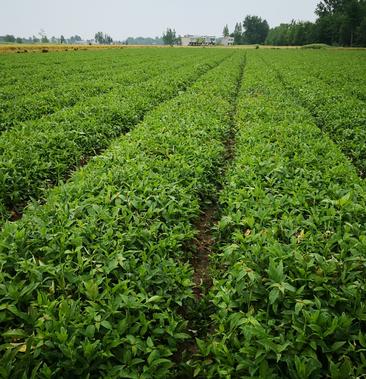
203 248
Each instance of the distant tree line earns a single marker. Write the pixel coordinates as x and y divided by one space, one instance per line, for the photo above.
100 37
103 38
297 33
144 41
9 38
253 30
42 38
339 22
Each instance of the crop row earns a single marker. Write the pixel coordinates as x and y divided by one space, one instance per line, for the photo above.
49 84
47 72
340 115
57 85
290 270
78 88
343 70
30 71
41 153
91 282
19 81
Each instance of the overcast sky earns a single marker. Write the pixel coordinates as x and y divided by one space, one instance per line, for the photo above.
124 18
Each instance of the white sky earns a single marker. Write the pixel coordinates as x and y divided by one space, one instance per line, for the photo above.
124 18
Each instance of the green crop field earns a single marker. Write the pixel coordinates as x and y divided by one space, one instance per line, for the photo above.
182 213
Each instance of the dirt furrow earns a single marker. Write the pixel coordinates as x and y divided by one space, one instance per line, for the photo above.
198 313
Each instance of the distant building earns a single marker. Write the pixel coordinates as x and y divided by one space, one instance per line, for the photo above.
225 41
209 40
191 40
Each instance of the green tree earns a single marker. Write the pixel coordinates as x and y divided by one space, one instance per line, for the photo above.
102 39
9 38
43 36
108 40
238 34
170 37
99 38
297 33
353 17
361 33
327 7
76 38
328 29
255 29
226 31
339 21
62 40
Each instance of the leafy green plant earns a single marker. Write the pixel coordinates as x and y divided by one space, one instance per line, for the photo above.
42 154
92 281
290 266
76 86
336 101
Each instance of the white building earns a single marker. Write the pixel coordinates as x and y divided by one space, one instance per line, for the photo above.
191 40
188 40
210 40
225 41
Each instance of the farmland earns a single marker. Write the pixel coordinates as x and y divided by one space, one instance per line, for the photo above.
183 213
